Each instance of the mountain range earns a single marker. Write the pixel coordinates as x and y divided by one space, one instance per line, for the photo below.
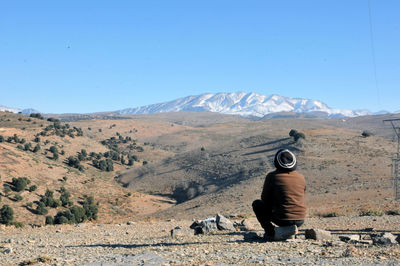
238 103
244 104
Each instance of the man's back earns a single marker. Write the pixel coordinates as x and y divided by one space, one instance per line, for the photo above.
284 192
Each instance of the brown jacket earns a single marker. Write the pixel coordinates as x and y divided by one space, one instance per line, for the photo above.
284 195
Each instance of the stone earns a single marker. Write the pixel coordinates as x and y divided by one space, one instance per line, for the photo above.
318 234
206 226
349 238
252 236
224 223
285 232
246 225
178 232
384 239
7 250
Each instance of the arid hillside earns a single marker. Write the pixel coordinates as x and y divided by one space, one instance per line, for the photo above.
187 165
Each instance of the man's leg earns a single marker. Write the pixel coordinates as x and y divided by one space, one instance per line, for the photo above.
263 216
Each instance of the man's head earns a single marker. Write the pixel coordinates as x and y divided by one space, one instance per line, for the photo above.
285 160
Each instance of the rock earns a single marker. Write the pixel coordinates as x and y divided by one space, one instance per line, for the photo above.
318 234
246 225
224 223
384 239
178 231
7 250
347 238
206 226
130 223
285 232
251 236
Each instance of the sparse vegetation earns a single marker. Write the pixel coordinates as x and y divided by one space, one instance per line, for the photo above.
371 213
6 215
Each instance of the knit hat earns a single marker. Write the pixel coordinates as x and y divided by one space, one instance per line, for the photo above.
285 160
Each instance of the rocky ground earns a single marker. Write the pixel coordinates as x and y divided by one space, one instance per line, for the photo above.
150 243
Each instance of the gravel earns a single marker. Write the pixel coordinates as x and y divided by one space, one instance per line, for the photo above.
150 243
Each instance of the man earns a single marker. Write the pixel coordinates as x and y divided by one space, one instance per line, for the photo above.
283 195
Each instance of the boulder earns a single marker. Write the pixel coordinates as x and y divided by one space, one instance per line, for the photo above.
285 232
254 236
224 223
178 232
205 226
349 238
318 234
384 239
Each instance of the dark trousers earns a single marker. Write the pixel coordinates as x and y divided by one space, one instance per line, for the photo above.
266 218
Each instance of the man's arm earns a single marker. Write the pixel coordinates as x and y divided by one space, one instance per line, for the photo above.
266 192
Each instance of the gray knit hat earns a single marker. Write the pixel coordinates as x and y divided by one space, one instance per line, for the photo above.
285 160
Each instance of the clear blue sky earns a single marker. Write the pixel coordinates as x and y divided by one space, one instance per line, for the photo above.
90 56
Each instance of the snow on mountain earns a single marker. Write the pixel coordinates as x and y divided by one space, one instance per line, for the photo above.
15 110
241 103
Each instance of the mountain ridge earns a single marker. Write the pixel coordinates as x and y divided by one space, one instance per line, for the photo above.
244 104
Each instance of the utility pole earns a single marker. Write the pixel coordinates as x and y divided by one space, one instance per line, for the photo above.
396 158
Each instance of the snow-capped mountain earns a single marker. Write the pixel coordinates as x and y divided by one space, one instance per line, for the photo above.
245 104
14 110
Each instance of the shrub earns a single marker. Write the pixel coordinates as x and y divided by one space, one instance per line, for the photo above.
20 183
90 207
371 213
32 188
36 148
41 209
49 220
18 197
1 138
7 190
36 115
6 215
366 134
48 199
65 200
27 146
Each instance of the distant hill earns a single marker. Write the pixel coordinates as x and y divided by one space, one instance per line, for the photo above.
245 104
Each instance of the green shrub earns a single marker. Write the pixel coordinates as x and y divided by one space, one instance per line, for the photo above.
36 148
366 134
18 197
65 199
91 209
41 209
18 224
49 220
20 183
6 215
32 188
371 213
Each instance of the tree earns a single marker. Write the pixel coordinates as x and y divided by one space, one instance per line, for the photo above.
90 207
27 146
6 215
41 209
36 148
20 183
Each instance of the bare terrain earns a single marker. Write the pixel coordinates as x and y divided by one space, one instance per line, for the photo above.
191 166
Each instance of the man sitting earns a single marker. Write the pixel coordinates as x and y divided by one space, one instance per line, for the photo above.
283 195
